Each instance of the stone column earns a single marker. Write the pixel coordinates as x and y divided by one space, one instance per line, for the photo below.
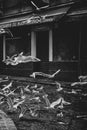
33 43
4 48
50 45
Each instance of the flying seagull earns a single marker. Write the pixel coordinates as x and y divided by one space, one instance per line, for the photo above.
34 74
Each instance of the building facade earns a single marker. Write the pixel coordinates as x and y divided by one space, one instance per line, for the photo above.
53 31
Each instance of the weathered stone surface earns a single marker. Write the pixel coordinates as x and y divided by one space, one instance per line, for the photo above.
6 123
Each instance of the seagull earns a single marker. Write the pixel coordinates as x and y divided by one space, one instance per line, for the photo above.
71 92
24 59
59 102
60 114
79 83
35 5
35 92
65 102
4 80
41 88
26 89
59 88
34 74
46 100
20 58
6 31
33 87
18 104
7 86
82 78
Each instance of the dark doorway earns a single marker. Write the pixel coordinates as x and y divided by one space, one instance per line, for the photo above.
42 41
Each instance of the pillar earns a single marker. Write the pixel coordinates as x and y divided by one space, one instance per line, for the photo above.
33 43
50 45
4 48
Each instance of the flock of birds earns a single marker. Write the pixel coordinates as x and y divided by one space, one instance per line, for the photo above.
20 58
30 97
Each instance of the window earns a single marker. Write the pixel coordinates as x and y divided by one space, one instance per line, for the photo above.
42 45
65 43
21 42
